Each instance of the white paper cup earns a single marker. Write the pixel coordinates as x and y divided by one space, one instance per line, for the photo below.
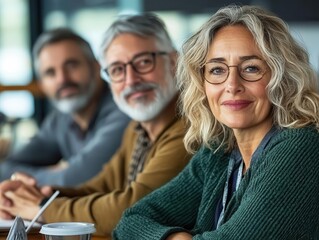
68 231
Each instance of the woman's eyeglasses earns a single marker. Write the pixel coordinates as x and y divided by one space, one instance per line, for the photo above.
250 70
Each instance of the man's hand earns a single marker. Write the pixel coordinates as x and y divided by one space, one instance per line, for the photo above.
25 178
18 198
7 186
31 181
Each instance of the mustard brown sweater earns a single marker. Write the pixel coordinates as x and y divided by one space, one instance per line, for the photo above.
103 199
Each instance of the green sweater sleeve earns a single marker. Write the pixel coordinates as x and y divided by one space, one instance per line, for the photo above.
277 198
175 204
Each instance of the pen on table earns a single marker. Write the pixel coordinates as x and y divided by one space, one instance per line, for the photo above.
53 196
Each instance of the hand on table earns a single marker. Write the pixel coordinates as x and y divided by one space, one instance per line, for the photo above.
31 181
20 196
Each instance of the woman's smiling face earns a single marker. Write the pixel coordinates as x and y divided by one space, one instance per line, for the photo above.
237 103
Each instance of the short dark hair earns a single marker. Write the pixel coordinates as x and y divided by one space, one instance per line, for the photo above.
57 35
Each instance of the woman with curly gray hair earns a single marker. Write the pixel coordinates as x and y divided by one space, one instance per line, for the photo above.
252 102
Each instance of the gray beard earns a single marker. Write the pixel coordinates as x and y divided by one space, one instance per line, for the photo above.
75 103
144 111
71 105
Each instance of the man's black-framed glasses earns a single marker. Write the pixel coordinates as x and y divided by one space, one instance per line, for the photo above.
142 63
250 70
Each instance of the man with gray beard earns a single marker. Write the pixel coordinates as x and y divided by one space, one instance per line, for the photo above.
139 61
86 127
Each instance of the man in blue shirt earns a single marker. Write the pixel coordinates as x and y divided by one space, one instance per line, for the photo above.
85 128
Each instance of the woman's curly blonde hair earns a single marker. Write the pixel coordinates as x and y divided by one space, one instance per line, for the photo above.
292 90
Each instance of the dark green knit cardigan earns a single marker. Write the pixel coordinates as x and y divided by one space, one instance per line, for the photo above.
278 197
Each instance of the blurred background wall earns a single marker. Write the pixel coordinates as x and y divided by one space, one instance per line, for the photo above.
22 106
